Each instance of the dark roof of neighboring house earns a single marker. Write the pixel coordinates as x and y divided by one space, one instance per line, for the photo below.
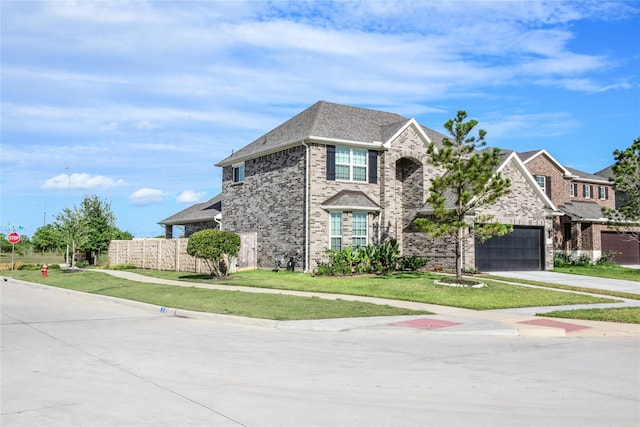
524 155
582 210
606 172
200 212
586 175
350 198
331 121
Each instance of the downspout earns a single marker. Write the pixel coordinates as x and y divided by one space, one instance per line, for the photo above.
306 207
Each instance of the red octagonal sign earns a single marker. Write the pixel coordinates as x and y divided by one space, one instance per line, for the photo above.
13 238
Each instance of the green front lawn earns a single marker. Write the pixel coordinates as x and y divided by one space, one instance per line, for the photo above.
620 315
611 271
262 306
418 287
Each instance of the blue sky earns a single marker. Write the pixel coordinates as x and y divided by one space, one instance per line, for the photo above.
136 101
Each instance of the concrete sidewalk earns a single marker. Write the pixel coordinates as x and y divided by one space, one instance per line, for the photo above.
445 320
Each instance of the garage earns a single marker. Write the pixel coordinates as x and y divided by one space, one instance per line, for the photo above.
628 249
522 249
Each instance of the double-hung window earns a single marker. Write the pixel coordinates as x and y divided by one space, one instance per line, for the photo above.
359 229
336 231
238 173
602 192
573 190
541 182
586 191
351 164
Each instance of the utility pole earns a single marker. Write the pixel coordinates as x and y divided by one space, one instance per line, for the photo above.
68 197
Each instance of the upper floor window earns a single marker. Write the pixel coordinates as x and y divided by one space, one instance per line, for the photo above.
541 182
238 173
335 231
352 164
603 193
573 190
359 229
586 191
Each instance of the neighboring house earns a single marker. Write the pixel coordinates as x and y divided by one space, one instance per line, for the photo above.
195 218
580 196
336 176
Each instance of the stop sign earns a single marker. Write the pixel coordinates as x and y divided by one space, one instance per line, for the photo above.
13 238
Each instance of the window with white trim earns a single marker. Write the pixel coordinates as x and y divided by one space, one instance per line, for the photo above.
602 192
542 181
359 229
572 190
238 173
335 232
351 164
586 190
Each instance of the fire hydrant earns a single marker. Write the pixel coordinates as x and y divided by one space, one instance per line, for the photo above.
44 270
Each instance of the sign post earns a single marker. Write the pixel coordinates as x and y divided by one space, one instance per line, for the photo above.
13 238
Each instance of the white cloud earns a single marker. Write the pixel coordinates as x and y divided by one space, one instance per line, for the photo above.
146 196
81 181
189 196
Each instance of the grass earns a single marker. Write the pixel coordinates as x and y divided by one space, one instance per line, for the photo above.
610 271
620 315
418 287
263 306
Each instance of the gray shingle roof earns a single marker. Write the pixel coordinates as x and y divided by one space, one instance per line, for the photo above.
327 120
582 210
606 173
351 198
586 175
200 212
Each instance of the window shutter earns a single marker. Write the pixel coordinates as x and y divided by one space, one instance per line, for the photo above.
331 162
606 193
591 192
547 185
373 167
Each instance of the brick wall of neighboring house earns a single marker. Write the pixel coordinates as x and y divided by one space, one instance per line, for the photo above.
269 202
558 185
189 229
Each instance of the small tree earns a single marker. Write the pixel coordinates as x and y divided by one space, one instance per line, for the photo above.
215 247
626 183
47 238
70 225
469 182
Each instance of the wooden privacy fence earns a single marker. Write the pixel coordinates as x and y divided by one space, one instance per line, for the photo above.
171 254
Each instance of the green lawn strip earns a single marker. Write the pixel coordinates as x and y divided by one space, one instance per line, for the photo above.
418 287
247 304
620 315
610 271
606 292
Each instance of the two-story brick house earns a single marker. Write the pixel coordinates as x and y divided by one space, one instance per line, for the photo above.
580 196
335 176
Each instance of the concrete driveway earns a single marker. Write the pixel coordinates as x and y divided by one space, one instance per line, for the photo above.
72 359
575 280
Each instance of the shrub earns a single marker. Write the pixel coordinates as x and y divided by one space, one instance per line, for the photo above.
607 258
412 263
560 259
381 258
122 267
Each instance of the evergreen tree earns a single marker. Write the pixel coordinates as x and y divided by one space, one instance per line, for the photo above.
469 182
626 183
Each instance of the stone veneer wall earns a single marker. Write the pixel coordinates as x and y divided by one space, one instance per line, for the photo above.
189 229
270 202
171 254
320 189
522 206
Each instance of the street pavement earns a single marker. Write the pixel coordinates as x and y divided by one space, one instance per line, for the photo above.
73 359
